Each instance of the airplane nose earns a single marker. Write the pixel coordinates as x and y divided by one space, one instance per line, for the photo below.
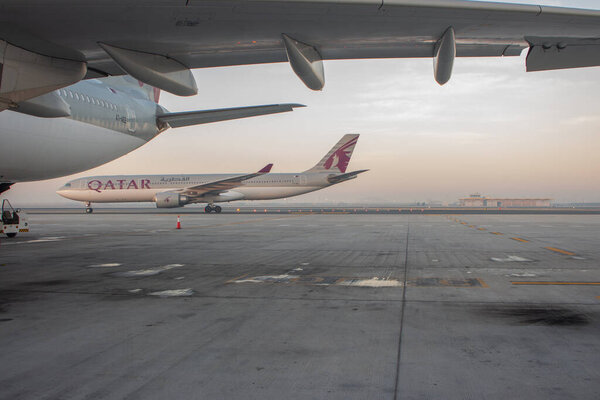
63 188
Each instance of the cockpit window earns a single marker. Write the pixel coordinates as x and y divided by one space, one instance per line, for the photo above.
68 184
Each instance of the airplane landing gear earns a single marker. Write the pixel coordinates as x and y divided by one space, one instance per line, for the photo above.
88 208
209 208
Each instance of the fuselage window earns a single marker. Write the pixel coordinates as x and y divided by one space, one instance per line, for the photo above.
70 94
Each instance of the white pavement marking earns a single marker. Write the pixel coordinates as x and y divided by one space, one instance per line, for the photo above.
319 281
523 275
107 265
511 259
147 272
173 293
373 282
267 278
41 240
134 290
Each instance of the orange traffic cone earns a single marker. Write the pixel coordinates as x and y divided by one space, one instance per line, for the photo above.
178 223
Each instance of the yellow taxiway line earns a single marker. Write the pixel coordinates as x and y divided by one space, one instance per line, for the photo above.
565 252
555 283
520 240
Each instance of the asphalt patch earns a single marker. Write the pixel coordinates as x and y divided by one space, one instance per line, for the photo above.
539 315
54 282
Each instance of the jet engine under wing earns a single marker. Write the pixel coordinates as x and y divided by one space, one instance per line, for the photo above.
179 119
223 184
209 33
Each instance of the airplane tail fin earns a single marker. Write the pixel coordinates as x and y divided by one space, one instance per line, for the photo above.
150 91
337 159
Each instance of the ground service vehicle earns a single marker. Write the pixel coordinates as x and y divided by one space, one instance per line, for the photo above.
13 220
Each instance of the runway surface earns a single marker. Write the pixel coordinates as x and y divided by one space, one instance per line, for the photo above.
279 210
301 306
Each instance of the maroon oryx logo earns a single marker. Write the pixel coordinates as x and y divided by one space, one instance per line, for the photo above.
341 157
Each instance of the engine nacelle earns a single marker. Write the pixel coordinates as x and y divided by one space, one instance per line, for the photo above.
170 200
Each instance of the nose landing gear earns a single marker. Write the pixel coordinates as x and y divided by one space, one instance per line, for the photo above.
209 208
88 207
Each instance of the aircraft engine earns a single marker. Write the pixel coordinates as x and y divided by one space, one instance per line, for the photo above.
170 200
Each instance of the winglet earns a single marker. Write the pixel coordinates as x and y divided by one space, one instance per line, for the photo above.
266 169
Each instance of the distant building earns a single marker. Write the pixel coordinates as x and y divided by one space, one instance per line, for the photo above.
477 200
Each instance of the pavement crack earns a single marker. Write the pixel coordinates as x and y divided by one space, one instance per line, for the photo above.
403 306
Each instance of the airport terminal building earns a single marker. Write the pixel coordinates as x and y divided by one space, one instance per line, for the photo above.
477 200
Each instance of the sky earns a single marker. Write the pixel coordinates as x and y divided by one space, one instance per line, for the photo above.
493 129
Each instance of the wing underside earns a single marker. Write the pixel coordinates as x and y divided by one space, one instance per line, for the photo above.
217 33
180 119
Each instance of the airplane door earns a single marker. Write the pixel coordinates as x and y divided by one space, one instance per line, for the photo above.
130 120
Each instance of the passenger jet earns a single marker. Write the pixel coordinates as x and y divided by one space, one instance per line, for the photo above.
90 123
169 191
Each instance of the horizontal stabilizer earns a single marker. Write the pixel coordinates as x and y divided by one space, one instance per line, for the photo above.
180 119
344 177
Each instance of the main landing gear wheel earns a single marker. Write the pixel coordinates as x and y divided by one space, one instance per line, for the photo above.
217 209
208 209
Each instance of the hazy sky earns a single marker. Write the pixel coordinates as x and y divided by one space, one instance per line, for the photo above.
493 129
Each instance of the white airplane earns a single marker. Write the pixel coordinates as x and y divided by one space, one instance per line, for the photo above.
169 191
90 123
46 46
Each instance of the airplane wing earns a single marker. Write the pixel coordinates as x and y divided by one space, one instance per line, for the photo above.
158 41
179 119
333 179
223 184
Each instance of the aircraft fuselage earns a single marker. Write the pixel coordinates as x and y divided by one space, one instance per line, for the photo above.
143 188
106 122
